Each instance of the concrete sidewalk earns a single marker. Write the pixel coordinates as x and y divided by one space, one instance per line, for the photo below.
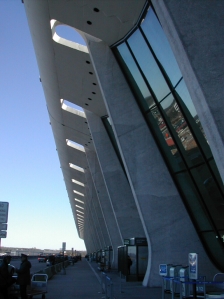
83 280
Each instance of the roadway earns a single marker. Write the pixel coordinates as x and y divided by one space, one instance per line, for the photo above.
36 266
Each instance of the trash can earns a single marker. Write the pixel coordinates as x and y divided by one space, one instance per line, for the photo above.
164 271
174 272
184 277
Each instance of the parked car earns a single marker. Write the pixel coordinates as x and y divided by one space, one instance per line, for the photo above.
42 259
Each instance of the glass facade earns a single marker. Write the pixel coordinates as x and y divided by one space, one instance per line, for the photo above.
153 74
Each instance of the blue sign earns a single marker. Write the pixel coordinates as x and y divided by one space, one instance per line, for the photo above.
193 265
163 269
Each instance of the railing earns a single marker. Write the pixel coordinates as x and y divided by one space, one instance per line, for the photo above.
55 269
107 286
183 287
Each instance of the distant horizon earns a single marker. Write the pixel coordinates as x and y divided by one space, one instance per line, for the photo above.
35 248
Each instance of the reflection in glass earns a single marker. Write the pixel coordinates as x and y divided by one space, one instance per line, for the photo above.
210 193
160 46
184 95
178 122
131 65
164 130
148 65
163 134
132 253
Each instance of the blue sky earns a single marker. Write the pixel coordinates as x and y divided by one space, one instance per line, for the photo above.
31 179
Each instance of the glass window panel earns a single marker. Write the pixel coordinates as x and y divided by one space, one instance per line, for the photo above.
161 47
148 65
191 151
132 254
210 194
185 97
193 201
142 260
133 69
166 141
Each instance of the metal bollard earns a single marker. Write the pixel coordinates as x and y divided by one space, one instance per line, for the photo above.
106 287
103 284
109 288
111 291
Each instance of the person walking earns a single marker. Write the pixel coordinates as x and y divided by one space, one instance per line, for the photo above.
23 275
129 263
5 277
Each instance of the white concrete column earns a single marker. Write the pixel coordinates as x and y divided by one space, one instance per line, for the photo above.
105 203
115 180
93 203
90 230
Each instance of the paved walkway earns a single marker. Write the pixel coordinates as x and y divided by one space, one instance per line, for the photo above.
83 281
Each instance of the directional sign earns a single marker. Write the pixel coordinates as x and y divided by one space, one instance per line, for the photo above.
163 269
3 234
3 226
193 265
4 207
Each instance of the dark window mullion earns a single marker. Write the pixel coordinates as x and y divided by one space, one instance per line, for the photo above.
142 73
167 79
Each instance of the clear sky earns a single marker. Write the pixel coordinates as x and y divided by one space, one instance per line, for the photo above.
31 179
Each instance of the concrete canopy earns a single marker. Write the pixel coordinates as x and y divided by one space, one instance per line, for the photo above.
66 72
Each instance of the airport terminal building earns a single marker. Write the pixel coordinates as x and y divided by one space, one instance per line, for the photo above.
137 118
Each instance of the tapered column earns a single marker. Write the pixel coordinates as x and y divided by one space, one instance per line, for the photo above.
93 201
115 180
105 203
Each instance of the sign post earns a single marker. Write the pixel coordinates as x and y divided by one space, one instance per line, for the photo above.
3 226
4 208
3 234
193 270
63 249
